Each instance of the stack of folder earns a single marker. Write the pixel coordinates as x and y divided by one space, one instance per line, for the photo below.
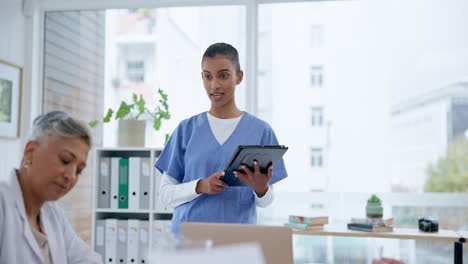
124 183
122 241
307 223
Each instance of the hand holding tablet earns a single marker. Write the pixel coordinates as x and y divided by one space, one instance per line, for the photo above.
265 155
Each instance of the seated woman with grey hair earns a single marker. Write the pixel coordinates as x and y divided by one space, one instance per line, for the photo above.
33 229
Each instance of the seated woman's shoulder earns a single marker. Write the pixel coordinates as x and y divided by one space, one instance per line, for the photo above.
5 190
6 196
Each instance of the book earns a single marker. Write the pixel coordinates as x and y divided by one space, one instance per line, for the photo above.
317 220
373 221
302 226
369 228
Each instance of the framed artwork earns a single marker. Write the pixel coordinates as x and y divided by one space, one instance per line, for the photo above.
11 82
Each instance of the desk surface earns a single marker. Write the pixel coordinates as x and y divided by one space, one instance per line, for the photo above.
400 233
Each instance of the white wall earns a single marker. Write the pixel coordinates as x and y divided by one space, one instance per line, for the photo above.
12 49
21 44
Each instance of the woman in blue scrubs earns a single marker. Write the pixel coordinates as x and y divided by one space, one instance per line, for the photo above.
200 147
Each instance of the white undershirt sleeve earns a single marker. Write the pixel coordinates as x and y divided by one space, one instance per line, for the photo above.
266 199
172 193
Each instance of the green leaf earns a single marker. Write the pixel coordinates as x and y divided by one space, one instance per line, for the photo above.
135 97
167 138
108 116
449 173
162 94
164 115
123 111
374 199
157 124
141 104
93 123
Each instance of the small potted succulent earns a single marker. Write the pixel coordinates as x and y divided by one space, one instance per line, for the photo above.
132 119
374 207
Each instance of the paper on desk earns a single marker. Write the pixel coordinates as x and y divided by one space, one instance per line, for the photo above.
246 253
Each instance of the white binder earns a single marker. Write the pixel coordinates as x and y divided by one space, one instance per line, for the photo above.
133 241
157 184
160 230
134 183
145 183
114 183
122 241
144 237
111 241
99 239
104 183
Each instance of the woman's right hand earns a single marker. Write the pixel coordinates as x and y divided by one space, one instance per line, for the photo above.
212 184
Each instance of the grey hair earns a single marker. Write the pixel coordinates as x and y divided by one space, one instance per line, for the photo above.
58 124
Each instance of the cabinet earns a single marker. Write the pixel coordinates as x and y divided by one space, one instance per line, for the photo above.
127 214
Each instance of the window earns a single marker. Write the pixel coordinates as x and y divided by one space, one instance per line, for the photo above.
316 36
135 71
167 57
317 117
316 76
316 158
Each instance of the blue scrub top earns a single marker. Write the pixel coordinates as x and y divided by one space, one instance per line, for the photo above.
193 153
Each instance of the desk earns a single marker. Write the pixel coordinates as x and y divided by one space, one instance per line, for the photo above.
458 238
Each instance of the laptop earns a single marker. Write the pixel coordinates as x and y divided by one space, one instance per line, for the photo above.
276 241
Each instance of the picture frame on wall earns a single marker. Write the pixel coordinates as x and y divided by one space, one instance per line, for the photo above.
11 84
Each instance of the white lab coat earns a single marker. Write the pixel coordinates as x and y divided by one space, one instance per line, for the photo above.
17 242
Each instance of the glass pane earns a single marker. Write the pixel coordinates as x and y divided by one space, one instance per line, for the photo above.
393 83
391 77
151 49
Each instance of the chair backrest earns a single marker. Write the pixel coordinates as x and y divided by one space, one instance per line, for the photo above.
276 241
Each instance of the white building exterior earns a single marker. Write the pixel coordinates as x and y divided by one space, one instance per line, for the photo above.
422 128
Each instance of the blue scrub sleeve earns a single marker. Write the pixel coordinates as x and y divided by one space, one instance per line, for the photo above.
279 171
171 159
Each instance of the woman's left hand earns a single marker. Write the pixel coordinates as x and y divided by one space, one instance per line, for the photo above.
255 179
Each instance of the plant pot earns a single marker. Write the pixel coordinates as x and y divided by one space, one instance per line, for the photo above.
132 133
374 210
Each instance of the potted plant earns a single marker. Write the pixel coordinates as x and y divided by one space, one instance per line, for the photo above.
131 122
374 207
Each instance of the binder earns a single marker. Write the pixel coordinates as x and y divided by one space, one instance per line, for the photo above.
104 183
114 183
160 230
157 184
123 184
111 241
133 241
122 241
134 182
100 236
145 183
144 236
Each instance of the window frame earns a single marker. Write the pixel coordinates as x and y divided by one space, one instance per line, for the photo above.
36 45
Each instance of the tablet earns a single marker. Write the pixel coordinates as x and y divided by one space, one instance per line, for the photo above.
246 154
